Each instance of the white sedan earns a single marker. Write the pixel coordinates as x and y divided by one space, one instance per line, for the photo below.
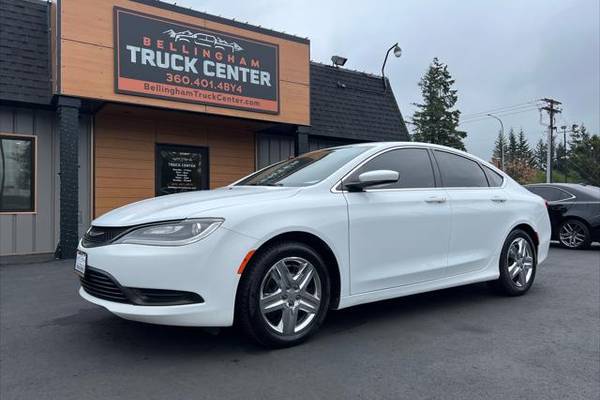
326 230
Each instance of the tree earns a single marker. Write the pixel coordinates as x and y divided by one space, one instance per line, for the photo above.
436 121
524 152
512 150
521 171
560 158
539 155
500 147
584 156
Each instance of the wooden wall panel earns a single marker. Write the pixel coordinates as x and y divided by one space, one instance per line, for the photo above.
87 60
125 139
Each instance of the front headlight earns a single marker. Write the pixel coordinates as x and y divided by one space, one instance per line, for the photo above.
172 233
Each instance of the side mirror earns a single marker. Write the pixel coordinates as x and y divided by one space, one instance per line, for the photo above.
372 178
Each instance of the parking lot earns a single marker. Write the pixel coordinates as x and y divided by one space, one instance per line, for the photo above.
456 343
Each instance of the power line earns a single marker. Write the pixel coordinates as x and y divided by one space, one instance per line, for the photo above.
501 109
502 114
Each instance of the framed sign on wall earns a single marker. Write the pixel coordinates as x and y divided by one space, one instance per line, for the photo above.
181 168
161 58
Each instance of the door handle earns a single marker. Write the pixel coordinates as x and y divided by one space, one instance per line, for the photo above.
435 199
499 199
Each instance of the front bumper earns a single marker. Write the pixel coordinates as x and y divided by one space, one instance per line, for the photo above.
207 267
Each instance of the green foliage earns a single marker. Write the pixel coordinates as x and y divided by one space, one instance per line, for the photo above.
539 155
499 146
584 156
436 121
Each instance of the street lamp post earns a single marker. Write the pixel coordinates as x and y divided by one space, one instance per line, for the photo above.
397 53
502 144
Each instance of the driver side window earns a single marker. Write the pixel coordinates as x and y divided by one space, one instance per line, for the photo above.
413 166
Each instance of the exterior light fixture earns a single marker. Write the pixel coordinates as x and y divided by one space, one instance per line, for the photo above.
338 61
397 52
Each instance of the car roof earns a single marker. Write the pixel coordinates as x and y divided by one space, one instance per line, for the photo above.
378 146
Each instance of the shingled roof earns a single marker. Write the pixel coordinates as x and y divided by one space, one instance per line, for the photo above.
354 105
24 51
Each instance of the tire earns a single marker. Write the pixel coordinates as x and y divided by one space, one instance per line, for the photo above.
272 307
517 269
574 234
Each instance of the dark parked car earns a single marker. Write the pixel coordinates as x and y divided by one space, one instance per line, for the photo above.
574 212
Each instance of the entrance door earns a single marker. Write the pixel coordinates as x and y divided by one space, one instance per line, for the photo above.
399 233
181 168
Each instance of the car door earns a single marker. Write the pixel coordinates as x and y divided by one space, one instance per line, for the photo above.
480 212
398 233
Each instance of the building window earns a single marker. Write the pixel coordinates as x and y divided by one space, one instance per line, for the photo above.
17 173
181 168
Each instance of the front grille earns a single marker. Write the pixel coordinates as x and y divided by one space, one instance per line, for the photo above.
100 236
101 285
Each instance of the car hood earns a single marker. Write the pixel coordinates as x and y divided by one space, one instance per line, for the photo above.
191 204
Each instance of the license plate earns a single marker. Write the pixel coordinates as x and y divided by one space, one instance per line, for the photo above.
80 262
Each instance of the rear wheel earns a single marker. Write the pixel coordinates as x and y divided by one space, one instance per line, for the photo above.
574 234
518 264
284 295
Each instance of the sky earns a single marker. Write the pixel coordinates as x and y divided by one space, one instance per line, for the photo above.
500 53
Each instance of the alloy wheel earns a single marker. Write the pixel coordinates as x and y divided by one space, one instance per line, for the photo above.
572 234
290 295
520 262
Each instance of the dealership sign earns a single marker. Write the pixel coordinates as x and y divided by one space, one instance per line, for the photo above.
156 57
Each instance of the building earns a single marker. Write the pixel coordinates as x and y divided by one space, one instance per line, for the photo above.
105 103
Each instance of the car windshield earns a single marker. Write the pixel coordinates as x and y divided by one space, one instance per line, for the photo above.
304 170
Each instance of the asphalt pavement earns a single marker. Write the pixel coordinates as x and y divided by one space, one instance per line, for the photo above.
461 343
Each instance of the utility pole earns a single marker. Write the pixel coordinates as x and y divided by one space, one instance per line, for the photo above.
551 106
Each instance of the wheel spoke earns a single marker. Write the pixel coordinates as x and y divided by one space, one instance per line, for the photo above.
305 276
289 319
309 303
272 302
281 275
513 270
522 277
521 244
528 262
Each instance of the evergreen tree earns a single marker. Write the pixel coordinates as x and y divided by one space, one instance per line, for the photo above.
524 152
500 147
539 155
560 159
512 150
584 156
436 121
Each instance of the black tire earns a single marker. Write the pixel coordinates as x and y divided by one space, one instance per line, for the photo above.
513 285
248 312
582 229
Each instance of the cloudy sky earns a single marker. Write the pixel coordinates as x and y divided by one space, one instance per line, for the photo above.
501 53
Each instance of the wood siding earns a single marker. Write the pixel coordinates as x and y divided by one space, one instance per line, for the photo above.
125 139
87 60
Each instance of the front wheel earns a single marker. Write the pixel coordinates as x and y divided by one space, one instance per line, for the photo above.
284 296
518 264
574 234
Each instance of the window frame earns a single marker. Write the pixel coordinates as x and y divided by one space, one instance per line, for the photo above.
479 164
572 196
34 173
338 187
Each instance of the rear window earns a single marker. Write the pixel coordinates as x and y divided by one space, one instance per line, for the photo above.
494 178
550 193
